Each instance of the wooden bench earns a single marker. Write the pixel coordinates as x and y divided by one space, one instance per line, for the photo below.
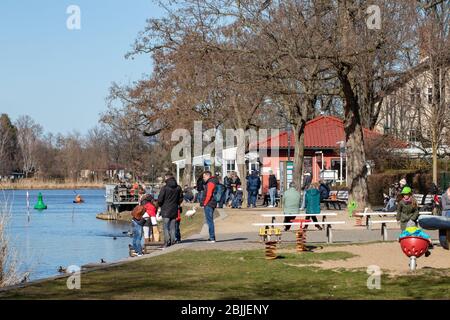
340 199
368 215
326 224
428 199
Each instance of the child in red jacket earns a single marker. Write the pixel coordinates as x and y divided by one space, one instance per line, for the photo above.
150 216
177 226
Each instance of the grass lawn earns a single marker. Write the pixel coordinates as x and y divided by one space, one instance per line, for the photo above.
188 274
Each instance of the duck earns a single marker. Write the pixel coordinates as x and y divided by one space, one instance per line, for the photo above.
190 213
62 270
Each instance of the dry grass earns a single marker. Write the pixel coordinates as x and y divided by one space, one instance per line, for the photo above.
31 184
9 262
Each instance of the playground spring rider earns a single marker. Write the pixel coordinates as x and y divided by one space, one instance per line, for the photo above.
414 248
270 236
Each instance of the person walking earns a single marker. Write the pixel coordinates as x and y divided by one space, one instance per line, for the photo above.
273 184
210 203
312 203
307 179
170 198
200 190
291 204
253 185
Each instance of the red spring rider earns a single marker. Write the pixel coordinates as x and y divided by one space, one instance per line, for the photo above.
414 247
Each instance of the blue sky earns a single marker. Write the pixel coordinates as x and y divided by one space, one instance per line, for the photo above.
61 77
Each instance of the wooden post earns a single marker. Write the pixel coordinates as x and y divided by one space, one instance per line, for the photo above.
384 231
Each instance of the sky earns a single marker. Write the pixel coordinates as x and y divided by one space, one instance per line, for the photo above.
61 77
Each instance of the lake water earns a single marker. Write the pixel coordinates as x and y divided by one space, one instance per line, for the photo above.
64 234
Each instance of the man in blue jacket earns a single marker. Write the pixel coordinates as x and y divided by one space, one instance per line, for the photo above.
253 185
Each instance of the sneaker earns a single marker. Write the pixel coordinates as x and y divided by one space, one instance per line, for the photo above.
271 206
211 241
139 255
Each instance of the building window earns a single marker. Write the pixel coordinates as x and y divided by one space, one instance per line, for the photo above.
430 95
336 165
412 136
231 165
253 167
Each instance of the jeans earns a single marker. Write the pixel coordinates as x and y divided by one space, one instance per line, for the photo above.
137 237
252 195
177 231
169 231
228 193
273 194
209 216
235 201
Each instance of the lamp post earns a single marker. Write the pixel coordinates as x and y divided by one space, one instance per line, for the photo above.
341 156
322 166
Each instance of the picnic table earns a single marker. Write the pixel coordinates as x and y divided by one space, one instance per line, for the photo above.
303 215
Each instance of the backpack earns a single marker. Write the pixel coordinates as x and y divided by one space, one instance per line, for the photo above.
218 192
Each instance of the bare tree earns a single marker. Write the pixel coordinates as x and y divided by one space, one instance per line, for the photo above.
28 135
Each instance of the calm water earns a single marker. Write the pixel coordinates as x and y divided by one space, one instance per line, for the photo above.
64 234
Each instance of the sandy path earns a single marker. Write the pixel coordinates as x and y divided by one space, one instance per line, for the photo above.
388 256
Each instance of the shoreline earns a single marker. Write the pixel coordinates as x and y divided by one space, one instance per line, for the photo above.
39 185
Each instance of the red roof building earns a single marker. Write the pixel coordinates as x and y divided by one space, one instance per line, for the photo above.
323 138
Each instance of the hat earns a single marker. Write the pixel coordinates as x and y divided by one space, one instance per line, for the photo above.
406 190
403 182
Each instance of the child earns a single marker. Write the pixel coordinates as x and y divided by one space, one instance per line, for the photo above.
177 226
407 209
150 219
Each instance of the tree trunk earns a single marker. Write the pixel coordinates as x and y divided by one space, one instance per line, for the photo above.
356 157
299 153
187 175
435 164
242 169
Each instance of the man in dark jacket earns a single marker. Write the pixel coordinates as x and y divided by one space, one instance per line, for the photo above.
324 190
273 184
201 190
253 185
169 200
210 203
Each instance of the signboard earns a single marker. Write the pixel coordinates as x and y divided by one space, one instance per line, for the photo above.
289 172
329 175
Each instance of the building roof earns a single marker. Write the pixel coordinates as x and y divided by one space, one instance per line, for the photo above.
324 132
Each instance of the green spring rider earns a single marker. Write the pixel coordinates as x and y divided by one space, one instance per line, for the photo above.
40 205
